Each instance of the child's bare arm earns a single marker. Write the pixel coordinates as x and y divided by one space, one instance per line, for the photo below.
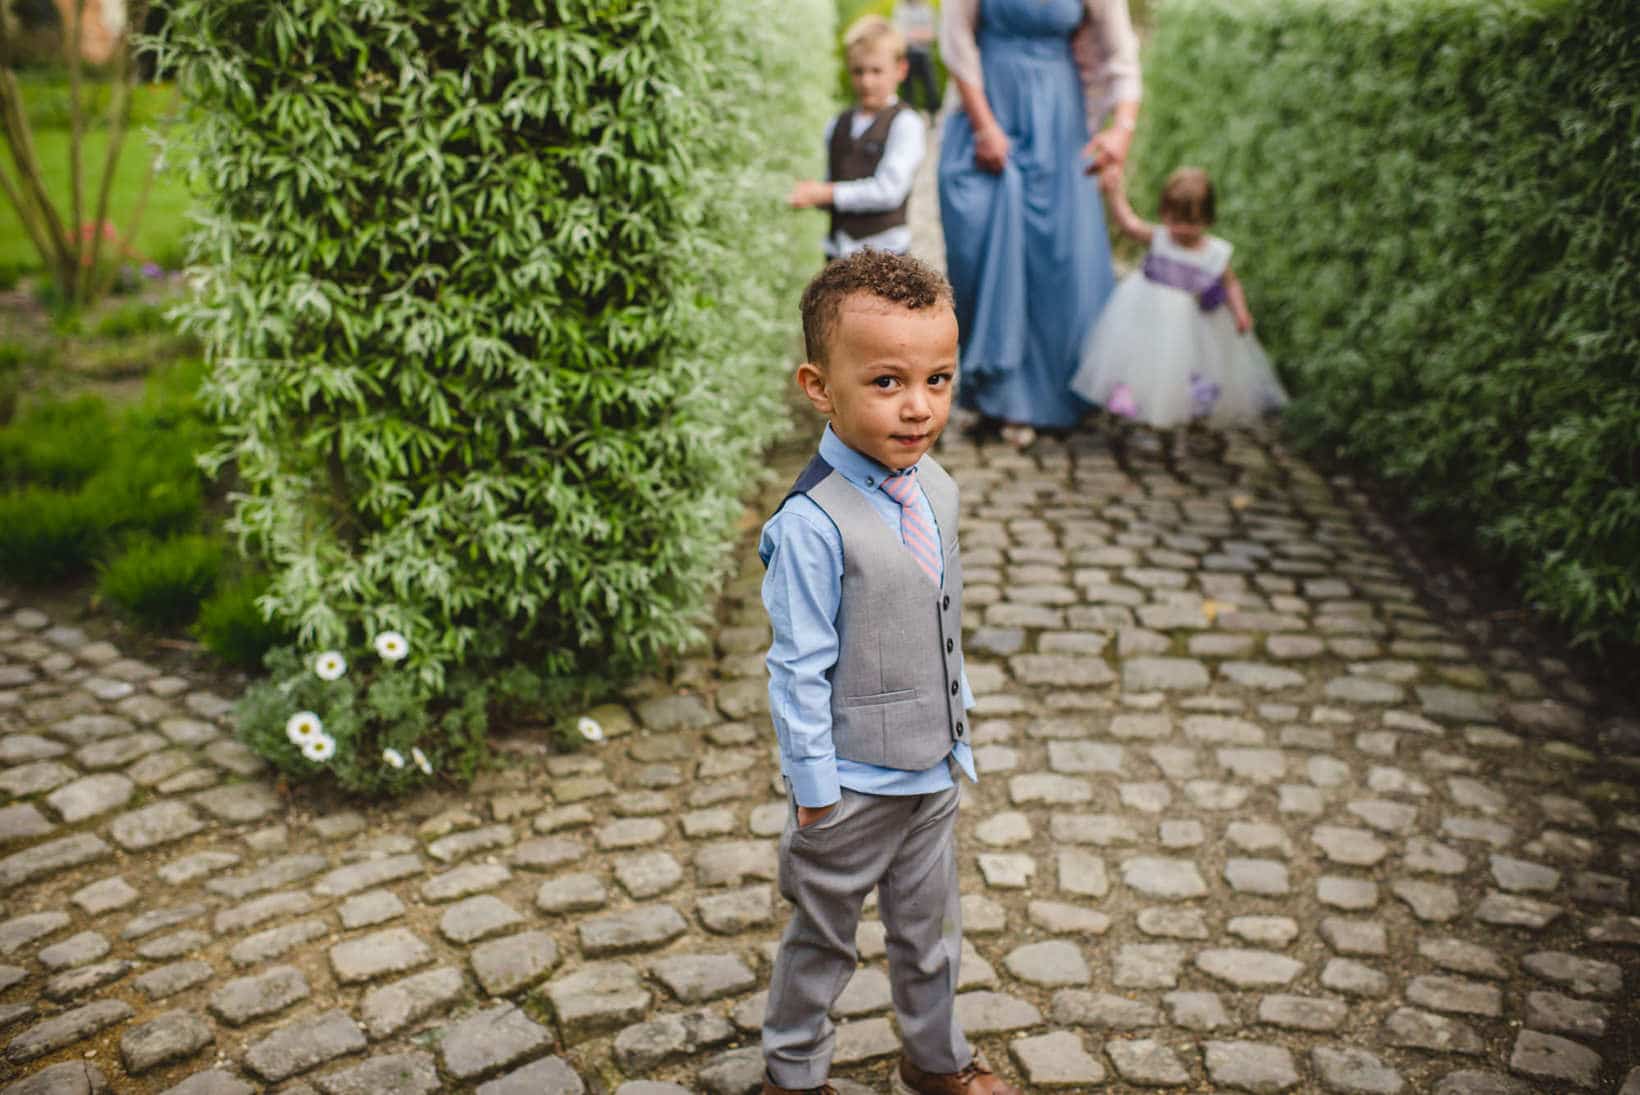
1237 298
1116 204
809 193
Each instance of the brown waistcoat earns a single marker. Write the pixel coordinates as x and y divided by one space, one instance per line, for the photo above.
849 159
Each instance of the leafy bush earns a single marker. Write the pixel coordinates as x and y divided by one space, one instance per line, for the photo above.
57 443
504 293
162 583
136 318
1437 210
45 536
90 479
232 627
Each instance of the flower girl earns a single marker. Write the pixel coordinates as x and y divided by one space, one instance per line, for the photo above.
1174 346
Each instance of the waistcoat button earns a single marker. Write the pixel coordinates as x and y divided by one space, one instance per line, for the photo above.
953 688
959 729
946 603
950 645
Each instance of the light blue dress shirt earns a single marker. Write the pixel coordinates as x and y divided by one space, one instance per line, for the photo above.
802 590
885 188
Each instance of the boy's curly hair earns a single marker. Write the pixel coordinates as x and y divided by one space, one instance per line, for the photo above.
898 279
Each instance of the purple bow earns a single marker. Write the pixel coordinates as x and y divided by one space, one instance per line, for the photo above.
1208 289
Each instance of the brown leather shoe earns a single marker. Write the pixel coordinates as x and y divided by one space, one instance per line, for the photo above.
770 1088
976 1079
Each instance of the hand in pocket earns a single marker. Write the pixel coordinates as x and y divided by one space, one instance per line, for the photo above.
808 815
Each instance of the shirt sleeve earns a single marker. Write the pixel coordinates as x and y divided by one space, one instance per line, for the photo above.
802 590
1107 57
891 183
959 48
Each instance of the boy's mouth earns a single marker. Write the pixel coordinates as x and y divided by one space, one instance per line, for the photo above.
909 438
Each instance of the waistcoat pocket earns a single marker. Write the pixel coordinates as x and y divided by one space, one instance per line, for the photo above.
877 699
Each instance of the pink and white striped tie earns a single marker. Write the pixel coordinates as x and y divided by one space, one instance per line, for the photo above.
921 540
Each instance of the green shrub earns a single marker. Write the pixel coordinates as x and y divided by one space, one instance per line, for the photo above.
57 443
136 318
231 624
46 536
162 583
504 295
90 479
1436 205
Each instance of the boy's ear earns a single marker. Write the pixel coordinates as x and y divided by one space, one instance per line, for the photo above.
903 70
811 381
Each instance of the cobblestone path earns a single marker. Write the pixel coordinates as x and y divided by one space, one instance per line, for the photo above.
1258 813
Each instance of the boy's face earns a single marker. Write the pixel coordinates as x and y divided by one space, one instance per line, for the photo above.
874 73
886 385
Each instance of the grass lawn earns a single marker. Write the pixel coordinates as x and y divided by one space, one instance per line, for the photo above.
164 223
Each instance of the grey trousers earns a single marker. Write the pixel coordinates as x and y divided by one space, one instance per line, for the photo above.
905 846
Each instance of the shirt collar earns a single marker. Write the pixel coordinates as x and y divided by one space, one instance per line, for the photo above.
893 100
856 467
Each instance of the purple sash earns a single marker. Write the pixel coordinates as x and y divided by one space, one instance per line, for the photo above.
1206 288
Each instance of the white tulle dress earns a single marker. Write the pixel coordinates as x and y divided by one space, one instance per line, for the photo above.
1165 350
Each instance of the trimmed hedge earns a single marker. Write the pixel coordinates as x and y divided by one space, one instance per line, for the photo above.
1436 205
498 308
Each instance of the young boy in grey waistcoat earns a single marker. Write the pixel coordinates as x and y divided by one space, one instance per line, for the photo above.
866 681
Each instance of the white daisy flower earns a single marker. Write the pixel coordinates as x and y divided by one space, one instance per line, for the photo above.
392 646
302 727
421 760
590 728
320 747
330 665
393 757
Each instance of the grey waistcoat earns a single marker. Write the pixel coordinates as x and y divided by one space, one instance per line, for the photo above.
896 693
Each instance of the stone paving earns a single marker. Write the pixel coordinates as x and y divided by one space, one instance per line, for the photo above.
1258 812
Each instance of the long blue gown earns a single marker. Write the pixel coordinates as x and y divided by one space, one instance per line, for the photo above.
1026 250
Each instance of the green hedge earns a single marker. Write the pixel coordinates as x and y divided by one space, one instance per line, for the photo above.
1436 205
499 308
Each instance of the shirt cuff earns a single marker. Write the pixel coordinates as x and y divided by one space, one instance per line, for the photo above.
815 785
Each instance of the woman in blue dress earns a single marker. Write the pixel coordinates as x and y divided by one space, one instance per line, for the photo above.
1025 241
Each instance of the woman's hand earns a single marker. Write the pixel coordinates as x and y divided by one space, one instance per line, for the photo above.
1244 320
808 815
1109 148
991 148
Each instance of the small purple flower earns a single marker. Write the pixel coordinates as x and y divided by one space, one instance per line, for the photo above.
1121 402
1203 394
152 270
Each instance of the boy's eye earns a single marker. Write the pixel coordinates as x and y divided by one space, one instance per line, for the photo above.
886 382
939 380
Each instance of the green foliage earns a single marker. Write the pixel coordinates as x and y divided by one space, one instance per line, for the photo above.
500 304
136 318
1437 210
57 443
45 535
232 627
87 480
162 583
377 717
